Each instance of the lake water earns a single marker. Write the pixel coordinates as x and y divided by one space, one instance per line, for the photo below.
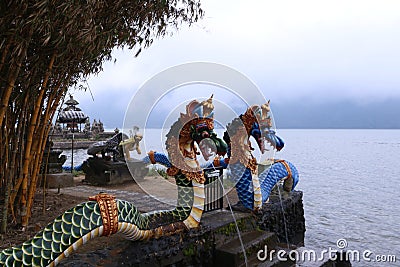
351 185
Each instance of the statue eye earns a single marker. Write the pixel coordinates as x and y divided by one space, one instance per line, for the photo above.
256 133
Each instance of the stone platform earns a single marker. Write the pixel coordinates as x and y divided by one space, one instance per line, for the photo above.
215 243
58 180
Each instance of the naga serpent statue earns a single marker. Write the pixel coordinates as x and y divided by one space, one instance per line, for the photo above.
104 215
103 147
254 189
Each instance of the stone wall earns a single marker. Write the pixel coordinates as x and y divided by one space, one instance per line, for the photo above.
272 218
198 247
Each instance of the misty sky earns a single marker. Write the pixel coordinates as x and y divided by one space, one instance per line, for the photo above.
309 53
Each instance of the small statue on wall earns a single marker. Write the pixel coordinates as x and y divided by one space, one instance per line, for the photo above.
133 143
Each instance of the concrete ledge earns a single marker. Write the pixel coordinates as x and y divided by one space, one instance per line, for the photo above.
68 144
59 180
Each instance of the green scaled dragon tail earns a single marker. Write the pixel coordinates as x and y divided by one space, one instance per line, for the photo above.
68 231
77 226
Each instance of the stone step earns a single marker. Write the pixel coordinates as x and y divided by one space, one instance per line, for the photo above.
231 253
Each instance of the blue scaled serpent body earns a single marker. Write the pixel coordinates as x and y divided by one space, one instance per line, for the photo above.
104 215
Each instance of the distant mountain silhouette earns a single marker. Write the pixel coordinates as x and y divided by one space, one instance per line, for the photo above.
296 114
339 115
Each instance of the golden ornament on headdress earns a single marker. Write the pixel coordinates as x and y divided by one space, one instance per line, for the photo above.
265 111
208 106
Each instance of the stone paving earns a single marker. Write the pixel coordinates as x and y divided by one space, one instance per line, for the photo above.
153 192
130 192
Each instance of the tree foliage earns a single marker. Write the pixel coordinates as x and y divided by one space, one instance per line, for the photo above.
46 47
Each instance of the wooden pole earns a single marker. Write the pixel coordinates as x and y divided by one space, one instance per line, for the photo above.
72 146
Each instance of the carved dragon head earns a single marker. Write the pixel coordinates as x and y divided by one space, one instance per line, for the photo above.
256 122
194 126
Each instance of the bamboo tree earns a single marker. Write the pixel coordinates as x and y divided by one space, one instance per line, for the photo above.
5 183
49 46
54 97
14 114
7 92
31 131
5 52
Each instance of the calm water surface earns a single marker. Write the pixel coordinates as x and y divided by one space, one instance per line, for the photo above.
351 185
